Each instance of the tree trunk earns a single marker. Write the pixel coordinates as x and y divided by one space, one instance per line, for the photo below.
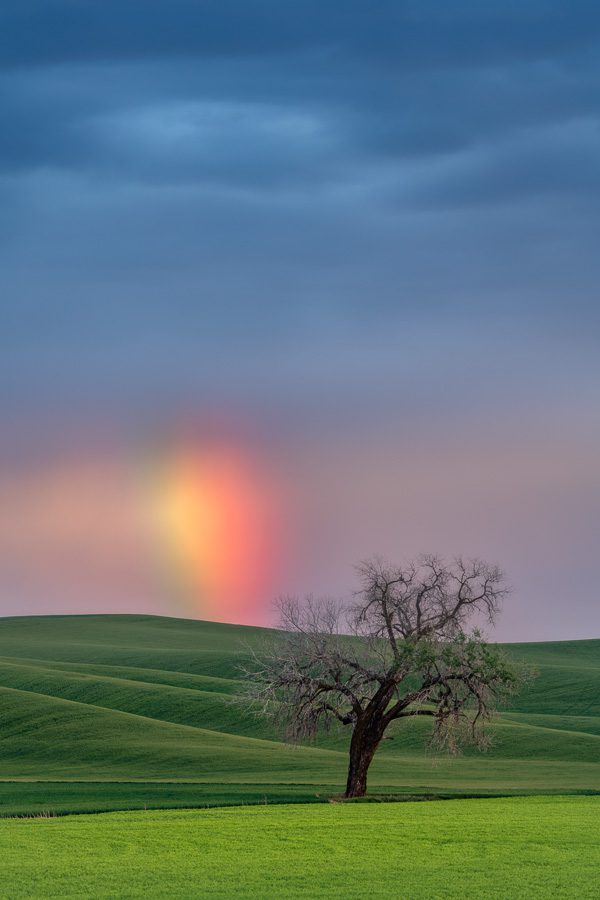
363 745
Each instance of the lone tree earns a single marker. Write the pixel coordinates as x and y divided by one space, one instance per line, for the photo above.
402 649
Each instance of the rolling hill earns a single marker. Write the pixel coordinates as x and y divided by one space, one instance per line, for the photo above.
117 712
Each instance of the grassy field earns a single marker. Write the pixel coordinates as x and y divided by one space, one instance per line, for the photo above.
503 848
126 712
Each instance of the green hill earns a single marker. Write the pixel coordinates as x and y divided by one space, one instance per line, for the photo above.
101 712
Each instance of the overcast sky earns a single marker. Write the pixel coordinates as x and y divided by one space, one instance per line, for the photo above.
360 236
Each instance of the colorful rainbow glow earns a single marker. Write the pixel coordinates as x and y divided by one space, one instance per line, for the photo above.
215 514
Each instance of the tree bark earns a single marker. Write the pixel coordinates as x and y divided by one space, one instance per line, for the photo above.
363 745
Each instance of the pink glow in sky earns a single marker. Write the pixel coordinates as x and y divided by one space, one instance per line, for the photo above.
191 530
210 529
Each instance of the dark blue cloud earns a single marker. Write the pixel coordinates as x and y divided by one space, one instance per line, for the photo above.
271 169
287 94
394 33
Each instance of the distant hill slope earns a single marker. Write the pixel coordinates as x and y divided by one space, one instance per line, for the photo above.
148 701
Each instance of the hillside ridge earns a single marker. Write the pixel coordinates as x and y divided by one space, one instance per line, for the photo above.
154 701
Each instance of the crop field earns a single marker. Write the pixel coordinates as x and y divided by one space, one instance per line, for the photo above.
535 847
141 718
141 712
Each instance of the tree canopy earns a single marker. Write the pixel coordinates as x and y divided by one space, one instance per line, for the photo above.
402 647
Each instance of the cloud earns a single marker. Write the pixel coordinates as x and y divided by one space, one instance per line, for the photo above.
280 96
328 219
409 34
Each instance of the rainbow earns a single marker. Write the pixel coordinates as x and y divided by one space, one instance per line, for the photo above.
214 519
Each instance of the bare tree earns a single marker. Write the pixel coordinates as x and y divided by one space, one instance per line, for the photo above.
401 649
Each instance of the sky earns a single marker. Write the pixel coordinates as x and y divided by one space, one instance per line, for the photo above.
285 285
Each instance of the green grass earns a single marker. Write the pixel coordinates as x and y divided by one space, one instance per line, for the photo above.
120 712
501 848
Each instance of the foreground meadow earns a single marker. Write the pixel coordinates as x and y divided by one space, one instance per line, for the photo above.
535 847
